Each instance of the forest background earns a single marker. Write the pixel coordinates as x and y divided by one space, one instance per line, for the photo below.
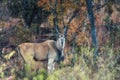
93 28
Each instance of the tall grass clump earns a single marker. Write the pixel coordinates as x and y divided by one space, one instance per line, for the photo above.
104 67
29 74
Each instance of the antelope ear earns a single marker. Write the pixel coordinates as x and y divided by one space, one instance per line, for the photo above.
61 35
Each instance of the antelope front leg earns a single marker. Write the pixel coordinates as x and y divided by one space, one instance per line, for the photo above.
62 56
51 65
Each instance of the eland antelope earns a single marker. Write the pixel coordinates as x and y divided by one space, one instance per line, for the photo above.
49 50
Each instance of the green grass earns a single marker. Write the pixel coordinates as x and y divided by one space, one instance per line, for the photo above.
106 67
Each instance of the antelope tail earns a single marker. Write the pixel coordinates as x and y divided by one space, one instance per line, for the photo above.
19 54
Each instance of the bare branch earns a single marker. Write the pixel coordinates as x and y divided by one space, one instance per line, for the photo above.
97 6
74 14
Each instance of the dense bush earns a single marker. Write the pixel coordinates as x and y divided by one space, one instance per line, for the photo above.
105 67
85 68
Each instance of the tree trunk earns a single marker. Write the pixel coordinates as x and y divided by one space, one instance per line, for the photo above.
93 28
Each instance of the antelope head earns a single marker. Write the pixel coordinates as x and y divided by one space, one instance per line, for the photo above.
60 43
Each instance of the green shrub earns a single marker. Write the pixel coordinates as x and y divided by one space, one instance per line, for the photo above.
85 69
107 67
29 74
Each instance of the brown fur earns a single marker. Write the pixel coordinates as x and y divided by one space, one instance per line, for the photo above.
38 50
34 53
